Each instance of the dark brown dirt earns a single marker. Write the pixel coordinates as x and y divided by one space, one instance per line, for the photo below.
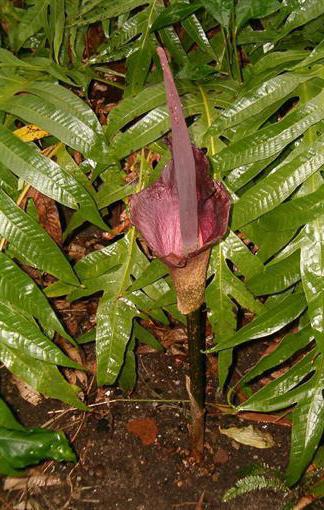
116 470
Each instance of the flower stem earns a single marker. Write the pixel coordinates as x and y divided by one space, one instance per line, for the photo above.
197 385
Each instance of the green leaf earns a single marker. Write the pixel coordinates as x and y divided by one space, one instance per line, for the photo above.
148 305
271 139
117 308
22 448
82 190
297 212
242 175
173 44
224 287
277 186
221 10
134 26
256 99
277 277
178 11
150 127
39 171
155 270
17 288
47 176
138 65
196 32
235 250
94 285
32 241
8 180
21 333
114 326
302 14
254 9
269 242
144 336
289 345
66 101
30 23
7 419
99 10
268 322
127 376
251 483
286 389
130 108
115 315
307 427
196 72
101 261
58 289
41 376
312 271
69 129
139 61
57 20
114 187
314 56
221 314
274 60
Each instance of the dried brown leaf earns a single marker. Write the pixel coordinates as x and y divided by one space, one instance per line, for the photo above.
249 436
27 392
16 484
143 428
48 215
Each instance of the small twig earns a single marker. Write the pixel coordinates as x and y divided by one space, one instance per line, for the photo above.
62 412
150 400
185 503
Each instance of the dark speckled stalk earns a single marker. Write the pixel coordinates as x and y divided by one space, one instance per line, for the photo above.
197 384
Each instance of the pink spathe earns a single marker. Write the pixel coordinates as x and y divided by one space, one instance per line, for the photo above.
155 212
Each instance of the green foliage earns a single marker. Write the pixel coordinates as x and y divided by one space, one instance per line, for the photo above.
21 447
253 483
256 477
262 125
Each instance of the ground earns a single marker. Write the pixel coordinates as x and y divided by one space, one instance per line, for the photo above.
117 470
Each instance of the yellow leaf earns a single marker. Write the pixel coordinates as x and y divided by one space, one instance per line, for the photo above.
30 133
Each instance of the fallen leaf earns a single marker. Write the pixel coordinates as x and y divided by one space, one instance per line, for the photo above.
75 354
30 132
29 504
304 502
17 484
249 436
27 392
48 215
143 428
265 418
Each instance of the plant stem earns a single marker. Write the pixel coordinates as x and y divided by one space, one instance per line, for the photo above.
237 58
197 385
227 52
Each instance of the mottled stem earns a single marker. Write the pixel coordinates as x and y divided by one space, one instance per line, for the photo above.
197 385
